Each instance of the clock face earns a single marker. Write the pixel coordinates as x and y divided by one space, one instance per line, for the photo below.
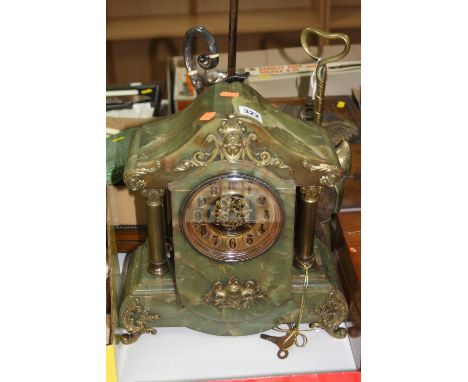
232 217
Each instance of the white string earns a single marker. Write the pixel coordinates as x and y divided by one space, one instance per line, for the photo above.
192 72
216 55
313 80
313 84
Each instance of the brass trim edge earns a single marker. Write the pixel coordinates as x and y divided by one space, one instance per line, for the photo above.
330 173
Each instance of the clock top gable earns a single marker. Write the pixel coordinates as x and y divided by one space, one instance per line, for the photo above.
230 122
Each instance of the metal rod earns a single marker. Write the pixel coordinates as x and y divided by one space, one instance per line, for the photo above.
233 13
321 78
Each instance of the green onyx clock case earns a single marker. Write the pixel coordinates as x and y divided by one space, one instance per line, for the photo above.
239 199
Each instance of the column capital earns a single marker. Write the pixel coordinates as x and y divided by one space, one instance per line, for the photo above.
310 194
154 197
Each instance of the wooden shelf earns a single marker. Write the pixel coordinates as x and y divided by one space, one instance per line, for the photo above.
345 18
132 28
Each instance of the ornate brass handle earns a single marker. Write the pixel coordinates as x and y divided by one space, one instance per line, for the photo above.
329 36
321 70
206 61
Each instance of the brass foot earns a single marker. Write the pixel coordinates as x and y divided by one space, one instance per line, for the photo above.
337 332
128 338
134 320
331 314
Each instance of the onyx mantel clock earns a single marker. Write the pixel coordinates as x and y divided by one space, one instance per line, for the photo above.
238 198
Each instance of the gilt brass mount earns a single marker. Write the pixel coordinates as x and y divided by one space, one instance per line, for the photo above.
233 294
331 314
153 197
310 194
329 175
233 143
133 179
134 320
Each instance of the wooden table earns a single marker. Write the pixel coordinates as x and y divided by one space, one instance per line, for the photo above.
349 266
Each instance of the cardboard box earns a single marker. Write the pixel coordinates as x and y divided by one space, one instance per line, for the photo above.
121 124
128 208
292 84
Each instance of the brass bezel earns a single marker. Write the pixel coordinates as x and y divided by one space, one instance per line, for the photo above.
223 256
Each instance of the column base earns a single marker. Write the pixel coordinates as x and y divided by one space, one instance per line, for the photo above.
311 261
158 269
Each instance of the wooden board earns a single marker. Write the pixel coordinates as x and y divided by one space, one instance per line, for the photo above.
352 191
129 237
141 27
350 224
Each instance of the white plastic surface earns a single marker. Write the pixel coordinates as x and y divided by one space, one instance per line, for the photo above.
181 354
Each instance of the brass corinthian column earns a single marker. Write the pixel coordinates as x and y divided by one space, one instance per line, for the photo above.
305 227
157 262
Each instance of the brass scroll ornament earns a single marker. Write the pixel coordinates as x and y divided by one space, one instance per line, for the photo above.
134 180
232 144
330 173
331 314
233 294
134 320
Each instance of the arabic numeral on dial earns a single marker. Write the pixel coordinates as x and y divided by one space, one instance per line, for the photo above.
198 216
232 243
215 240
261 200
214 190
249 239
201 201
232 185
266 214
203 230
262 229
